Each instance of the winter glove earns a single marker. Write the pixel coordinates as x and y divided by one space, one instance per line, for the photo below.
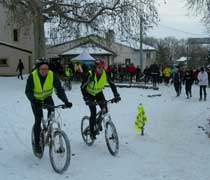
117 98
86 99
68 104
37 102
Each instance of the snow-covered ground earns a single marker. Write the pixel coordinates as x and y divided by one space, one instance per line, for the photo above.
173 147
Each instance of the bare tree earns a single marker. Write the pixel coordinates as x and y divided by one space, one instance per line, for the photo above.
201 7
73 16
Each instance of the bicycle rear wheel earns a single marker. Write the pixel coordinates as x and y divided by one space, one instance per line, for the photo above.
85 131
111 137
60 151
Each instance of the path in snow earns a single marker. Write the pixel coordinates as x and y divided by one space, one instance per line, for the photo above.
173 147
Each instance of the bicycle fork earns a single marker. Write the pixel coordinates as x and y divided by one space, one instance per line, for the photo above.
60 146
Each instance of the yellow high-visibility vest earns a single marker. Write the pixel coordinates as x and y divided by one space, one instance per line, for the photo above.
96 86
141 118
67 72
47 90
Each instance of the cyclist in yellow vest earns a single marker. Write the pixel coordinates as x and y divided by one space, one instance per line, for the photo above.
92 90
39 89
68 74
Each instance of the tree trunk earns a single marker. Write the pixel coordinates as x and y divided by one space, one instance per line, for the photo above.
39 36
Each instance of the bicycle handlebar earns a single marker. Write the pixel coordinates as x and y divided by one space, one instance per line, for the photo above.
47 106
103 102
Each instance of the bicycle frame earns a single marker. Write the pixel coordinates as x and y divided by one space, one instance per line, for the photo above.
102 116
52 125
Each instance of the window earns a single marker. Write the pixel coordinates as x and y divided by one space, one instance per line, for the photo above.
148 55
15 35
3 62
127 61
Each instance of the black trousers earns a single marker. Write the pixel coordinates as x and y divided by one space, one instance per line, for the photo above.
178 87
20 74
154 79
146 79
188 89
167 80
38 114
202 88
99 98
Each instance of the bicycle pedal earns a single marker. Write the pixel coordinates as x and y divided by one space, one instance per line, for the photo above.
111 138
61 150
97 132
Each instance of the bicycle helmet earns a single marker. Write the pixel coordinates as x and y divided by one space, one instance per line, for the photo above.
42 61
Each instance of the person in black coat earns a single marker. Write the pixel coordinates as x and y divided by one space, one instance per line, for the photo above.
42 71
146 73
20 68
177 81
188 79
138 74
155 72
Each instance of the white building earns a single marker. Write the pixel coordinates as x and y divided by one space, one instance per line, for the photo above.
15 43
114 52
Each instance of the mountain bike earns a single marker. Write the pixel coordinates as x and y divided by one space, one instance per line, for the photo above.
67 84
57 140
102 118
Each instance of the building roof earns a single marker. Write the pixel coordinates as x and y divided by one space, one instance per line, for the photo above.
15 47
181 59
131 43
135 45
87 48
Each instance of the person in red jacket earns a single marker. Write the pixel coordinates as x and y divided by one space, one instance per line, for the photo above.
131 71
109 71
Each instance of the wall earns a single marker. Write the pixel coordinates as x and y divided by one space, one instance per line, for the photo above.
13 57
25 41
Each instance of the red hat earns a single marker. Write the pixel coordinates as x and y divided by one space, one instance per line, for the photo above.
100 63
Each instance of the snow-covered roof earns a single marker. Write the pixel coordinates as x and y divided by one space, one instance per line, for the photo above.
135 45
182 59
88 49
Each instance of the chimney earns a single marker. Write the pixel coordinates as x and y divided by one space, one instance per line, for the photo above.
110 37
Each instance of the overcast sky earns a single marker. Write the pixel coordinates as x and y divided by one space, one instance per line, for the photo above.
174 18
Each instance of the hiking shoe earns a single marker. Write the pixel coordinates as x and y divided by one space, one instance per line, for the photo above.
38 151
93 136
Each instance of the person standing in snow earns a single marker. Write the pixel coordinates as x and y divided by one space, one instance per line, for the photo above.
155 72
39 90
203 82
177 81
19 69
92 90
188 79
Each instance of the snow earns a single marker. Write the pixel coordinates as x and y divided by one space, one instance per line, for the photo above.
173 147
87 48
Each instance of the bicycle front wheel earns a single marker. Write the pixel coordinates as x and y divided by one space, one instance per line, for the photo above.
60 151
85 131
111 137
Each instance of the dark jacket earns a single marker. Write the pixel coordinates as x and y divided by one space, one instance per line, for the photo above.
188 77
177 77
154 69
56 84
20 66
88 78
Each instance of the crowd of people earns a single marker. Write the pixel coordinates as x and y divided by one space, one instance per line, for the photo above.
155 74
